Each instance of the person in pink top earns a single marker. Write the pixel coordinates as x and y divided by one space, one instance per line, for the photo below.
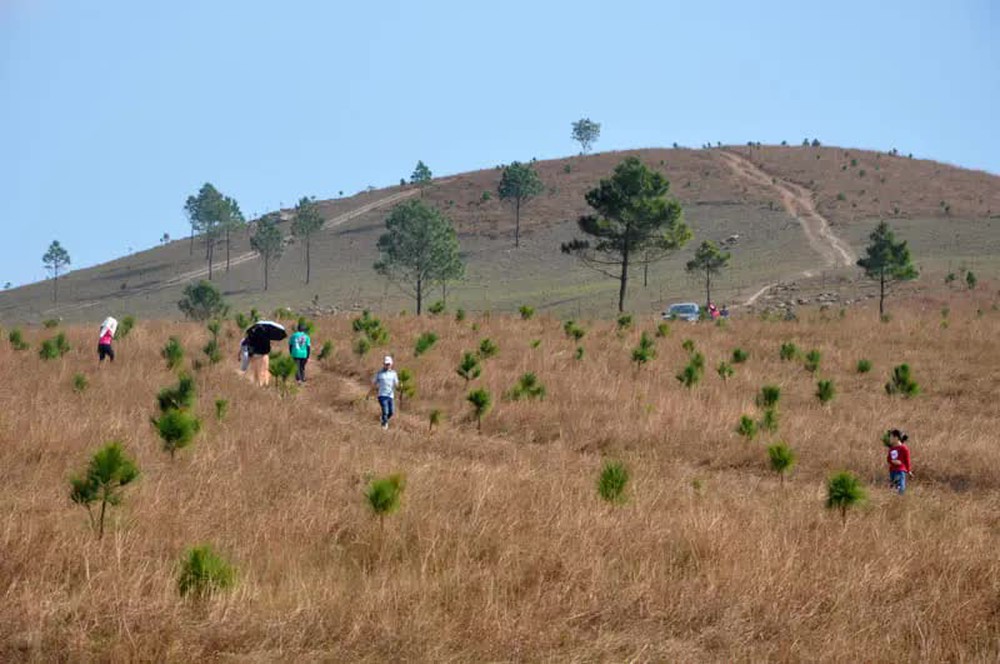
107 335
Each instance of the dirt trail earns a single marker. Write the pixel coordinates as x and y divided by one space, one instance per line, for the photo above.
797 200
241 258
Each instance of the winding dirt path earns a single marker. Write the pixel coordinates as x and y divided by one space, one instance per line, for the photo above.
797 201
241 258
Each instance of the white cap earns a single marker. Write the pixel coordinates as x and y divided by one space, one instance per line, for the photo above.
387 359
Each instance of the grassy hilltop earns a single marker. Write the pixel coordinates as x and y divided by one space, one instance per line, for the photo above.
502 548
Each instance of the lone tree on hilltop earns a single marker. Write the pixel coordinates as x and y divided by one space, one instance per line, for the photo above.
586 132
268 242
419 248
710 260
207 211
518 183
634 214
307 220
421 176
54 260
886 261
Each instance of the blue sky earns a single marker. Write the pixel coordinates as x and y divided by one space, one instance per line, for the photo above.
113 112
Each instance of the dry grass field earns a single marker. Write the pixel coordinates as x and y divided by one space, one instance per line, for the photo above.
502 549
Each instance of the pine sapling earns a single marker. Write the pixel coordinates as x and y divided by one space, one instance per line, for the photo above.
173 353
812 361
434 419
108 471
469 367
825 391
789 351
481 404
526 312
424 343
725 371
612 482
782 459
384 496
844 491
573 331
407 386
325 351
221 408
740 356
203 573
177 429
662 330
864 366
747 427
902 383
644 352
768 396
769 421
80 383
527 387
487 349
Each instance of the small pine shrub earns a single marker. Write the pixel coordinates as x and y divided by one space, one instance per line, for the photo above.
698 362
325 351
108 471
526 312
768 396
212 351
50 323
469 368
725 371
747 427
864 366
644 352
612 481
579 353
436 308
80 383
688 345
424 343
689 376
782 459
177 430
434 419
173 353
221 408
812 361
481 404
242 320
282 368
662 330
283 313
203 572
361 346
527 387
825 391
535 343
179 397
902 383
769 421
384 495
740 356
459 315
970 280
407 385
623 322
16 340
309 324
371 327
488 349
54 348
125 326
573 331
844 491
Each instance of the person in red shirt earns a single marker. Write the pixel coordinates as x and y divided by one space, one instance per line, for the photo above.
899 460
104 343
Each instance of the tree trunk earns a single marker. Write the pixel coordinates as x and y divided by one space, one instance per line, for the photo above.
308 265
100 527
420 294
55 286
210 261
444 293
645 274
191 247
265 272
881 294
708 288
227 250
624 280
517 222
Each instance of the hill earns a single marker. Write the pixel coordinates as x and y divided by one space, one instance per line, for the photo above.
801 213
501 549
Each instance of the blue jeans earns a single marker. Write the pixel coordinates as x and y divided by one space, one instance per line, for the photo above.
386 404
897 478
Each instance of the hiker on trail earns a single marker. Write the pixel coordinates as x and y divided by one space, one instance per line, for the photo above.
899 460
385 383
259 338
104 339
300 347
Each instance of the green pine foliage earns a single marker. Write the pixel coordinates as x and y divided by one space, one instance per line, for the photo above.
178 397
434 419
623 322
644 352
282 368
573 331
662 330
407 385
902 383
325 351
782 459
80 383
864 366
177 430
612 481
221 408
424 343
844 491
825 391
688 345
488 349
769 421
747 427
481 403
789 351
725 371
125 326
437 308
371 327
203 572
740 356
50 323
54 348
459 315
173 353
16 339
689 375
109 470
469 368
579 353
384 494
527 313
769 396
813 358
527 387
362 346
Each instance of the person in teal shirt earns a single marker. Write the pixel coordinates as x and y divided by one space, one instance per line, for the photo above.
299 347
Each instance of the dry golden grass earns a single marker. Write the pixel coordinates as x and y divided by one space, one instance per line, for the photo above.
502 550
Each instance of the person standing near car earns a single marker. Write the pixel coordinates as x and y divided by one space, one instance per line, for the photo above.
898 458
300 347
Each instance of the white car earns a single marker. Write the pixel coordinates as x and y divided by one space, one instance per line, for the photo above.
688 311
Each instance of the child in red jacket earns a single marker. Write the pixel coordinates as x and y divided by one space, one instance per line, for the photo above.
899 460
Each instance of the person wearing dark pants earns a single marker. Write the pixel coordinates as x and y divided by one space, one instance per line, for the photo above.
385 383
104 348
300 347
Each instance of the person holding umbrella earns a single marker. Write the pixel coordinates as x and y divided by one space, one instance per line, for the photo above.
259 337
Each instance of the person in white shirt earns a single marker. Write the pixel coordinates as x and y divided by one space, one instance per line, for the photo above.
385 383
